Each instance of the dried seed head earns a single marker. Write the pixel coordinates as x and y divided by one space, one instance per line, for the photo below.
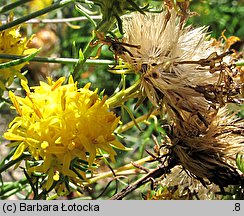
175 61
164 42
211 154
183 72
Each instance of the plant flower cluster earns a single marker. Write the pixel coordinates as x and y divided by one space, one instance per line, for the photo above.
12 42
60 123
191 81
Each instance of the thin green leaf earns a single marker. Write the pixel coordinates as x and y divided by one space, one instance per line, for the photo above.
36 14
79 8
132 117
18 61
13 5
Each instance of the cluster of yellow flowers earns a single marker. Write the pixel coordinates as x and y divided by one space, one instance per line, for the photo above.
12 42
59 123
64 128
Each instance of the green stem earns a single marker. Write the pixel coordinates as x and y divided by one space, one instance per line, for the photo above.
9 186
13 162
120 171
88 49
59 60
123 95
11 6
35 14
140 119
10 154
63 20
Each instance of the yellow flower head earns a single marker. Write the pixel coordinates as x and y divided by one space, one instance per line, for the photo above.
60 124
39 4
12 42
36 5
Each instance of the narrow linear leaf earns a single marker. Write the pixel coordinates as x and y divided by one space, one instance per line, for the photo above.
18 61
23 19
132 117
79 9
11 6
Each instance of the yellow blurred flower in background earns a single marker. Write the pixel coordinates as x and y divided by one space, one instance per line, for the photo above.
35 5
12 42
60 123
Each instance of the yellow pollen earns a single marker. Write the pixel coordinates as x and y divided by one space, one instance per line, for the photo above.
44 144
56 176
